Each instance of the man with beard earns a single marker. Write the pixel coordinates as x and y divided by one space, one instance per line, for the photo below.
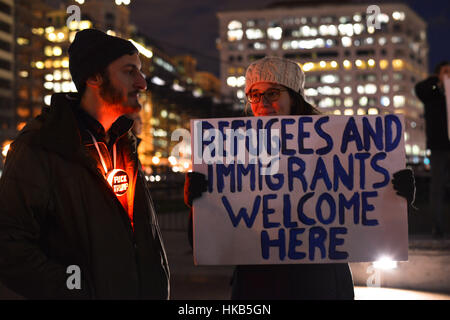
76 216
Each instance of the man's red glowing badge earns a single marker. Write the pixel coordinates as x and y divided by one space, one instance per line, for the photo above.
118 180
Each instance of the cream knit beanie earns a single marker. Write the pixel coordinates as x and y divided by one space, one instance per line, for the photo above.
275 70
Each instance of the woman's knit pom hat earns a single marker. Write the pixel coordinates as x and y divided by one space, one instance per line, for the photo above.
275 70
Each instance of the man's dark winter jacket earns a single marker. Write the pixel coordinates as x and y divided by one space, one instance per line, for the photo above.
433 98
57 210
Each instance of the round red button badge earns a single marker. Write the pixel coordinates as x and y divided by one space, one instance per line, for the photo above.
118 180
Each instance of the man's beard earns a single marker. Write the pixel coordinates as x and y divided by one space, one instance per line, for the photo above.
115 97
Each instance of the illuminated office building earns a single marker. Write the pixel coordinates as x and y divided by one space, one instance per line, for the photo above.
6 71
353 65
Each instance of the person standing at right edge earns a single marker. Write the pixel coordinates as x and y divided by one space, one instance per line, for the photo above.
432 94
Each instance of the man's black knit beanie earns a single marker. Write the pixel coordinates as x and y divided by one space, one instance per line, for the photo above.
92 51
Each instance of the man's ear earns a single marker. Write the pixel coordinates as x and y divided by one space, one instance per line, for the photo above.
94 81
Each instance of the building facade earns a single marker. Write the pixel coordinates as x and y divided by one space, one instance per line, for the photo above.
7 113
176 91
355 63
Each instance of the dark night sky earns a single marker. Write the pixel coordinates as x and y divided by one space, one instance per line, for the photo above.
191 26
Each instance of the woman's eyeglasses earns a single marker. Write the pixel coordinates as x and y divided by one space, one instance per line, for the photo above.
272 94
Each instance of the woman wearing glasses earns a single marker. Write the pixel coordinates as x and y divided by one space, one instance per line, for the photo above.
274 87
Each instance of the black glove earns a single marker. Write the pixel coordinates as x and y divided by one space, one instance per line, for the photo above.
405 185
194 185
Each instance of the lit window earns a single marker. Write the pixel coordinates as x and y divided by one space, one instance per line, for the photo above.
399 101
65 62
323 30
329 78
254 34
235 35
57 87
372 111
66 75
397 39
382 41
370 29
57 75
363 101
47 99
39 65
348 112
240 94
259 46
23 74
48 85
360 64
347 90
337 112
383 18
360 112
274 33
408 149
85 25
326 103
234 25
333 64
22 41
360 89
370 88
384 88
57 51
348 102
397 64
48 51
66 86
274 45
347 64
399 16
346 29
240 81
358 28
371 63
357 17
346 41
308 66
384 64
385 101
329 91
232 81
311 92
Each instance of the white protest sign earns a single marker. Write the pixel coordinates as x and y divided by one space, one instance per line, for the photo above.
447 100
299 189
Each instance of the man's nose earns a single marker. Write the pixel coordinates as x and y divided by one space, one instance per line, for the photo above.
140 83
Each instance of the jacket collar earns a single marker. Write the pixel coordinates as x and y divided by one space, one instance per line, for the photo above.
60 130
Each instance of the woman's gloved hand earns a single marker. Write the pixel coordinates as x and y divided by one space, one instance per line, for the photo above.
195 184
405 185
